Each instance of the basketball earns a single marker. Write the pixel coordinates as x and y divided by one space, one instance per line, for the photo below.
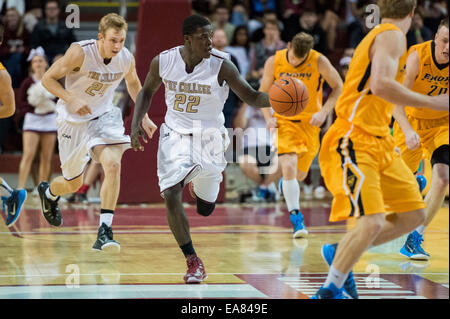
288 96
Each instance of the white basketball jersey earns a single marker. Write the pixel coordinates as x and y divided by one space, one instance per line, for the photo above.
95 81
195 96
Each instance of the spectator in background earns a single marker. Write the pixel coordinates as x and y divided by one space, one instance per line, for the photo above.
309 23
354 18
240 48
39 125
418 33
18 4
260 6
220 42
265 48
51 33
257 30
220 20
432 11
15 47
33 15
239 15
329 11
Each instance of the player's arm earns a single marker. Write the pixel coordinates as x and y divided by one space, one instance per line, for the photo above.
134 86
72 60
412 70
229 73
266 82
8 104
332 77
385 53
143 100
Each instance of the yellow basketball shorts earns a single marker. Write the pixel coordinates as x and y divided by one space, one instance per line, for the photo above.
433 134
299 137
365 174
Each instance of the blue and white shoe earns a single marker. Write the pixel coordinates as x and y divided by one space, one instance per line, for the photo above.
413 249
330 292
328 251
422 181
298 224
13 206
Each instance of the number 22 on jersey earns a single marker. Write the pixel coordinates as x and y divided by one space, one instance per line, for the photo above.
180 99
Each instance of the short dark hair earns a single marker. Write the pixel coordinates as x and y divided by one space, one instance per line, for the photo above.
302 43
193 22
50 1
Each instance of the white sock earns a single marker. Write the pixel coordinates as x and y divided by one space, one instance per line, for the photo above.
421 229
291 192
49 195
335 277
106 218
5 189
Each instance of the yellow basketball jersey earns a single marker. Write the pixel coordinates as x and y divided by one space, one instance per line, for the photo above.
357 104
308 73
432 80
2 67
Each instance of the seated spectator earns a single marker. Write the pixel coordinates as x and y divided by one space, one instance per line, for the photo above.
256 26
240 48
432 11
39 125
309 23
220 20
32 17
219 42
329 12
15 47
418 32
51 33
239 15
264 49
257 159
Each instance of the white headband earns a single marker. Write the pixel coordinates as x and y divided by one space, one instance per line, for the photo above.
39 51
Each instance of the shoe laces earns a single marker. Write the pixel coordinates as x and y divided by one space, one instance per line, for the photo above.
193 263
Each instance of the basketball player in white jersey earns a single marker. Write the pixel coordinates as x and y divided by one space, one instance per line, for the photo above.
89 126
193 138
12 199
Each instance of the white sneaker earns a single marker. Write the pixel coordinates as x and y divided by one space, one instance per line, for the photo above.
319 192
308 191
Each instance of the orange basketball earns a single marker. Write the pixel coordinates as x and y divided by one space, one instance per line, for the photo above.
288 96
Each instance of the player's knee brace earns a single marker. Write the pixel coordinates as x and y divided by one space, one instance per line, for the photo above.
204 208
440 155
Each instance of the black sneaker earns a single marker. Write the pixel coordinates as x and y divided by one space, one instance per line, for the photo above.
105 239
82 198
50 209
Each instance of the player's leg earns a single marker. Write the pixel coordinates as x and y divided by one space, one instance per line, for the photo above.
47 148
12 201
436 194
30 142
110 157
249 167
93 173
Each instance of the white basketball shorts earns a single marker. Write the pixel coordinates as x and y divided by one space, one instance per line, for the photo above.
198 158
76 140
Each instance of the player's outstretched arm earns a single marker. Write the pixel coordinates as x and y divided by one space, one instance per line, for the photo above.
134 86
230 74
332 77
71 61
385 53
8 104
143 100
412 139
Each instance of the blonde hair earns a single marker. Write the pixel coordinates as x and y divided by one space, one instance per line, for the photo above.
396 9
302 43
112 20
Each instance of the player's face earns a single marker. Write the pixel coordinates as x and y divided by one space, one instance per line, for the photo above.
201 41
441 41
113 41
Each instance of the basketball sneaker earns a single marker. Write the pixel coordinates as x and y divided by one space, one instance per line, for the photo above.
412 247
105 239
196 271
328 251
298 224
12 205
49 208
422 181
330 292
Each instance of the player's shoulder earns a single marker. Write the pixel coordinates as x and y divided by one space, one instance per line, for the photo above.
216 54
170 51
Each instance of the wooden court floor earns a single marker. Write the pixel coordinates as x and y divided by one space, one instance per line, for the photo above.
248 252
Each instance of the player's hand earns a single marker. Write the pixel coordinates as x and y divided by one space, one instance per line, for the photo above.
398 150
135 133
78 106
412 140
318 118
148 126
272 123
